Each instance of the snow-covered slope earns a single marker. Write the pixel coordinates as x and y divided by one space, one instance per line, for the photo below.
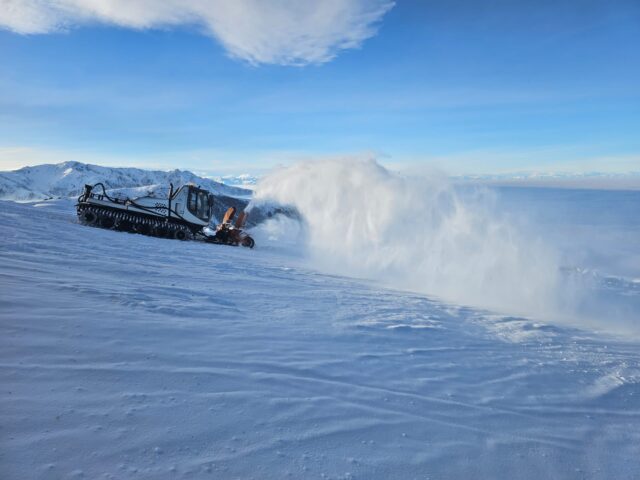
67 180
123 356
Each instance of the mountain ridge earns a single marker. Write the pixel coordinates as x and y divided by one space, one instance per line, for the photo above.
67 179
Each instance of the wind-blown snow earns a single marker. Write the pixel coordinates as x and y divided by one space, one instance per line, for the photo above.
124 356
467 245
415 233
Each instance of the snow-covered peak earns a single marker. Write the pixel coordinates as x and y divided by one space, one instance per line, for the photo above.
68 178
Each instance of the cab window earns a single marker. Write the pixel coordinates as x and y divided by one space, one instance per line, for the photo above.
198 204
192 202
203 206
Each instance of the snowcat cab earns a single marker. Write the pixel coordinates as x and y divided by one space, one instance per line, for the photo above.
192 204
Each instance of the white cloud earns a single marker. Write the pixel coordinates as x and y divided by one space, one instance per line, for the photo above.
285 32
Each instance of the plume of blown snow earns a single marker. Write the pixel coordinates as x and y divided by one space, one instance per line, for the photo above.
418 234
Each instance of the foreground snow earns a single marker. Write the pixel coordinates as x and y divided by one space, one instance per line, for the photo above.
124 356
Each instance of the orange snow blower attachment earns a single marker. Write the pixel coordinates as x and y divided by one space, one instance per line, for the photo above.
228 216
240 221
232 234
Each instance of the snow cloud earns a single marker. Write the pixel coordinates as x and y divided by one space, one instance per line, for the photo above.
284 32
416 233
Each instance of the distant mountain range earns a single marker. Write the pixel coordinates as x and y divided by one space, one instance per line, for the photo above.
243 181
529 175
68 178
593 180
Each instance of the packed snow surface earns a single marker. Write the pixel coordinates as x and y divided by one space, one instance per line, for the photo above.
124 356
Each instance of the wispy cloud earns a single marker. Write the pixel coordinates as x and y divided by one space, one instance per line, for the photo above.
284 32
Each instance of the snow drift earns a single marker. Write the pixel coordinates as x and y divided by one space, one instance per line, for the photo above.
419 234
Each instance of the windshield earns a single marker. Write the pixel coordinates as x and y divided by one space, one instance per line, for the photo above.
199 204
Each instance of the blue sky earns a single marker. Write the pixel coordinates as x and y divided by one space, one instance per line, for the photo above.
468 86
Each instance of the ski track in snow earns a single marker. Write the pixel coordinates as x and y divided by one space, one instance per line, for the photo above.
125 356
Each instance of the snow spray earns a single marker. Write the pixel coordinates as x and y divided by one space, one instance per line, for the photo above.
415 233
